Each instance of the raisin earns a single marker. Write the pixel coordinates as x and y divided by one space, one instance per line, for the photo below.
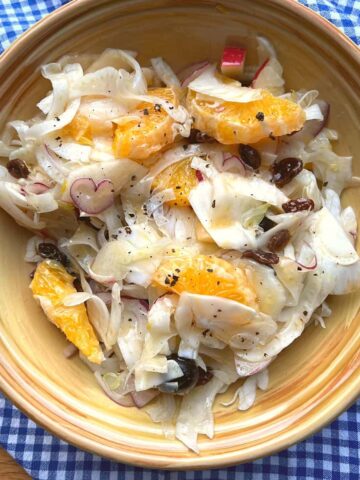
199 137
266 224
298 205
17 168
285 170
265 258
187 381
204 377
250 156
51 251
278 240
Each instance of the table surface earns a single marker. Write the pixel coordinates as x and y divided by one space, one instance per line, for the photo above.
9 469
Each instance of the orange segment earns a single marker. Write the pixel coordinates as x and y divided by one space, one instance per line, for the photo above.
51 284
206 275
231 122
181 178
80 130
138 139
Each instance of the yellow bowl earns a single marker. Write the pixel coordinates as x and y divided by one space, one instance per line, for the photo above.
316 377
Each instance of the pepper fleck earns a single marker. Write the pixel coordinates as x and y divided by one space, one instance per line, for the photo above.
213 204
260 116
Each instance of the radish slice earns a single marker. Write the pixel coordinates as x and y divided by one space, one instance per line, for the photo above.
258 71
92 198
246 369
105 297
312 128
199 175
37 188
309 267
233 163
313 264
143 398
191 72
144 303
233 62
70 350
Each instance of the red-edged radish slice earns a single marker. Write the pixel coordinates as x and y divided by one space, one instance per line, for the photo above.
258 71
143 398
233 163
92 198
199 175
312 128
233 62
191 72
37 188
70 350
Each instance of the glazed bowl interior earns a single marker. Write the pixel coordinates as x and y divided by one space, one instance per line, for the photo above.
311 381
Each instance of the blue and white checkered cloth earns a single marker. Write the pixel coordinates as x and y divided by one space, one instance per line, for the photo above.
333 453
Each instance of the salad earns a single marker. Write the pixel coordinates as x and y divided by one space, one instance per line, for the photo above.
186 228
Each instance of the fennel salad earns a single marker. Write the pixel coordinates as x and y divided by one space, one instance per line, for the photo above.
186 228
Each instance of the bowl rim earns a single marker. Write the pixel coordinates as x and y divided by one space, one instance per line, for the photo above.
347 391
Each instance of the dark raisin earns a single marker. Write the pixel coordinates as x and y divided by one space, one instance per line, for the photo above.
187 381
18 169
265 258
204 377
285 170
266 224
199 137
51 251
278 240
250 156
298 205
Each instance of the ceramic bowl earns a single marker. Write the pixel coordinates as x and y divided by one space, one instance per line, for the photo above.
311 382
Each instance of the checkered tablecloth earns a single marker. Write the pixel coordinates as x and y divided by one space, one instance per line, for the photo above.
333 453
